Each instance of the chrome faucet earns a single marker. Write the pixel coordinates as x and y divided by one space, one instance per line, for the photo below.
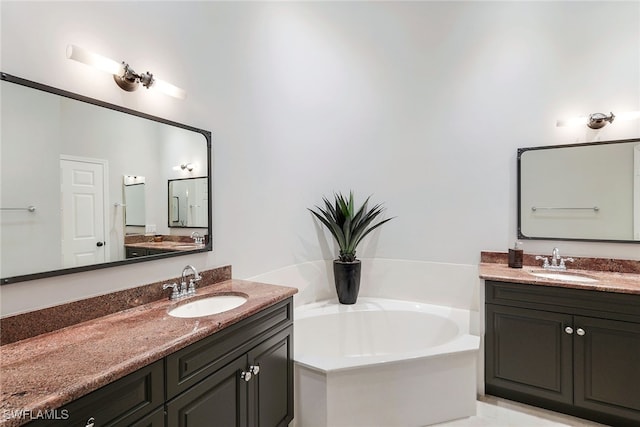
197 238
555 257
181 291
191 290
557 262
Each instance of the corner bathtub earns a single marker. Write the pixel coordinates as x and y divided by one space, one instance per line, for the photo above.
383 362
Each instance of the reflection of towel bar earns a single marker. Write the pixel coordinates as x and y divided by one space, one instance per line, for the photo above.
28 208
535 208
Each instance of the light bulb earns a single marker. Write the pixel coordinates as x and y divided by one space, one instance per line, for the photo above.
573 121
93 59
168 89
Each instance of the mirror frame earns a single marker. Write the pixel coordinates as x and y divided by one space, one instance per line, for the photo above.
521 151
205 133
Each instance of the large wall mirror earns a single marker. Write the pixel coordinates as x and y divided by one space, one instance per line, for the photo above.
588 192
83 183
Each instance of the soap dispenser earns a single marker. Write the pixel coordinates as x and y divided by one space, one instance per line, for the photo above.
516 255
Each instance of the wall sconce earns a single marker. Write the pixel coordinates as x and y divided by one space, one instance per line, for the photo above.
184 166
125 77
598 120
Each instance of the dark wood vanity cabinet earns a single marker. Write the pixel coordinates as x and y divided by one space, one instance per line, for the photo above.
570 350
238 395
241 376
136 252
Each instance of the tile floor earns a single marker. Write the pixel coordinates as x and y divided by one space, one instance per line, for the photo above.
496 412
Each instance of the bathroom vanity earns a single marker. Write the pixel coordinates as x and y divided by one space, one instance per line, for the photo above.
567 346
144 367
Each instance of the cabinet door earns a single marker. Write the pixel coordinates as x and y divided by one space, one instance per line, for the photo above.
607 366
271 392
528 351
218 400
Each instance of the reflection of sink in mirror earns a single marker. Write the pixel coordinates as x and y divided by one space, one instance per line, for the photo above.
208 306
187 246
564 276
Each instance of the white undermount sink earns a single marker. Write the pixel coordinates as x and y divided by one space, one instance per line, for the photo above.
208 306
564 276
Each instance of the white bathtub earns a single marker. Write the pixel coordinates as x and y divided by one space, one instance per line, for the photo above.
383 362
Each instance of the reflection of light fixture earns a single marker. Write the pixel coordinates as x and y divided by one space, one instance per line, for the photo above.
598 120
187 166
123 74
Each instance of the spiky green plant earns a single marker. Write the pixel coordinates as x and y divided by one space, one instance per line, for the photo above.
347 225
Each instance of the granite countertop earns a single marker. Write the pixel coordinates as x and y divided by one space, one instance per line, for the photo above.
607 281
166 245
50 370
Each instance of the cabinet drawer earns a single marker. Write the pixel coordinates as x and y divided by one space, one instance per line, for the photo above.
154 419
136 252
120 403
197 361
577 301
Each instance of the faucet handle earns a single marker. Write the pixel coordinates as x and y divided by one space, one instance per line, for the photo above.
192 287
545 260
174 292
563 260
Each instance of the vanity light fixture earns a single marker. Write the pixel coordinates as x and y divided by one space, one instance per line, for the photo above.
184 166
125 76
598 120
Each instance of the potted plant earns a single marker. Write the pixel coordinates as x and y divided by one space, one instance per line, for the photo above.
348 226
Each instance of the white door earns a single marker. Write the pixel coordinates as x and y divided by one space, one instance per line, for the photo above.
82 193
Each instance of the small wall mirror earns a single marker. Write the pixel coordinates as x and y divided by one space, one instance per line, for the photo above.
588 192
188 201
95 193
134 202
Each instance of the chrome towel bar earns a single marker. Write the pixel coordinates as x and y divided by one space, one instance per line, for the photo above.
28 208
535 208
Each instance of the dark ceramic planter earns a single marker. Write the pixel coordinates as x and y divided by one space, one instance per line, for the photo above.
347 278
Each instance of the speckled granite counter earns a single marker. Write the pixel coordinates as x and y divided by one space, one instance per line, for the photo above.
52 369
624 278
165 245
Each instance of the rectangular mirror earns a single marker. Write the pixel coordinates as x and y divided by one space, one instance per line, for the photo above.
588 192
188 200
64 204
134 202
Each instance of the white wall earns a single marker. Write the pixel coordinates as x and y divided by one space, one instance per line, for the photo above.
422 104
